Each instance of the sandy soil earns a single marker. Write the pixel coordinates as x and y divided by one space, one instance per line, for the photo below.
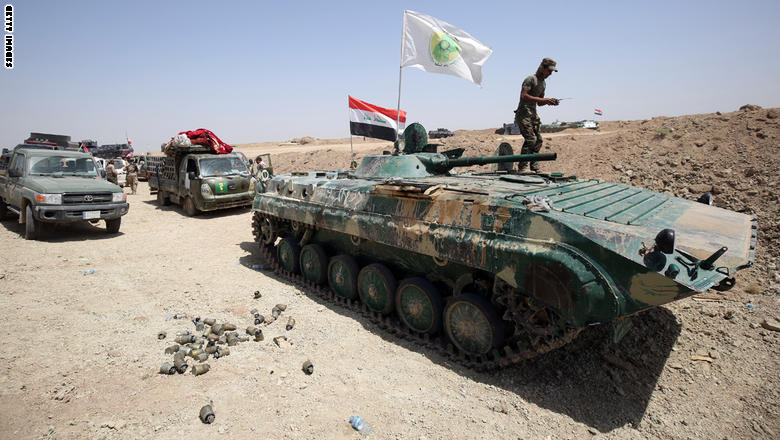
80 353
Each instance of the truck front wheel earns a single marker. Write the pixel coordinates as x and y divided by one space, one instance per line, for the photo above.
112 226
3 210
189 207
31 226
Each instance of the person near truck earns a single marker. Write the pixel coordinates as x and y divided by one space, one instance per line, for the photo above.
132 176
111 173
259 165
527 120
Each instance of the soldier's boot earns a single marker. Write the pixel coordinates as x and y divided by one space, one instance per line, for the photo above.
528 148
535 150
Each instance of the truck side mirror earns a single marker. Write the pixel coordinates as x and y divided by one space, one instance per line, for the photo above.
103 173
192 175
14 172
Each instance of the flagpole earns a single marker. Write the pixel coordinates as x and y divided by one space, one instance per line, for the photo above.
352 160
400 72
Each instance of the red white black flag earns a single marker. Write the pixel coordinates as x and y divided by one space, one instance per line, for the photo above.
598 111
370 120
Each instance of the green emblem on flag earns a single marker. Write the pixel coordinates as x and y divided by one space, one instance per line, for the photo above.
220 188
444 49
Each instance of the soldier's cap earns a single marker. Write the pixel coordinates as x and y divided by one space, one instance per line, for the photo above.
549 62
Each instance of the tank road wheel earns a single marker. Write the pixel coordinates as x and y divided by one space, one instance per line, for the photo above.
314 263
264 230
376 287
289 254
418 304
472 324
297 229
162 199
343 275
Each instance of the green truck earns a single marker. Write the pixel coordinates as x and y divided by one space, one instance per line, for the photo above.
43 185
199 180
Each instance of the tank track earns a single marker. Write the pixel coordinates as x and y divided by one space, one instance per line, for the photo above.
534 335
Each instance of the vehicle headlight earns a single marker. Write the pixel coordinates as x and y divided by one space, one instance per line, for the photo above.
205 190
252 184
51 199
118 197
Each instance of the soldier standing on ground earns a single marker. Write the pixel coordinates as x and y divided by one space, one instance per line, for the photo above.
132 176
525 116
111 173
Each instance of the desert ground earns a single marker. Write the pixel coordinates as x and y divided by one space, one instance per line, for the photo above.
80 352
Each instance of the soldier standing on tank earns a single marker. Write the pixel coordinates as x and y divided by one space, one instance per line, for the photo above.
525 116
132 176
111 173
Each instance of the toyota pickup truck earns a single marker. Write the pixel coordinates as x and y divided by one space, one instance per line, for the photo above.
198 180
57 186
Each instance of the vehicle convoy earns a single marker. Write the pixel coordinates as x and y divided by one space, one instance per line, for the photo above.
440 133
492 267
200 180
56 186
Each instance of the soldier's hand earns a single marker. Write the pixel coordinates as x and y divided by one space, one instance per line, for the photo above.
553 101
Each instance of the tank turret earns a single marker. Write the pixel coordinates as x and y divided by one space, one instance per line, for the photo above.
432 164
415 157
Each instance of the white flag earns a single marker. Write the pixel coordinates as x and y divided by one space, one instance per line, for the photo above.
436 46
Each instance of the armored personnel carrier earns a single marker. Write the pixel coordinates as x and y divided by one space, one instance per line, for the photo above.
491 267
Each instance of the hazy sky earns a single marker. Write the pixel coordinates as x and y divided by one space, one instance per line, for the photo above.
274 70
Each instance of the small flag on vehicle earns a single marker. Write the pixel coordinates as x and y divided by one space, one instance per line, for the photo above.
597 111
373 121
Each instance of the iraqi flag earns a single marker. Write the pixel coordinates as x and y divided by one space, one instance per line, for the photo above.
597 111
369 120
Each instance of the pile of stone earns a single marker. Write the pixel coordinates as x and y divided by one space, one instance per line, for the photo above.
213 339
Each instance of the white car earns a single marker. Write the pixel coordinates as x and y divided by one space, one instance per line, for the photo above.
119 164
121 176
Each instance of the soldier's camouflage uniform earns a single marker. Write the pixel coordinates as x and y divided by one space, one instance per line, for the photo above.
529 122
132 176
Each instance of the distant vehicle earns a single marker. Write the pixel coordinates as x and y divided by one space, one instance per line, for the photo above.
88 145
440 133
560 126
111 151
54 186
59 140
513 129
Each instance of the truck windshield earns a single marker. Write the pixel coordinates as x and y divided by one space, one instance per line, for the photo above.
62 166
222 166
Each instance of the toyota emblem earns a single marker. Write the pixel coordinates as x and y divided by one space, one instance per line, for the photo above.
88 198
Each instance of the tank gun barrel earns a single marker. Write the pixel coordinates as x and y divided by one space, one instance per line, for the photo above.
443 164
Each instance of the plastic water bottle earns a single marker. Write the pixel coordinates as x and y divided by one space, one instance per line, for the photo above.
89 272
360 425
750 306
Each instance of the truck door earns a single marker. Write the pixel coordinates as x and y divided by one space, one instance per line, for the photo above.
14 186
187 166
